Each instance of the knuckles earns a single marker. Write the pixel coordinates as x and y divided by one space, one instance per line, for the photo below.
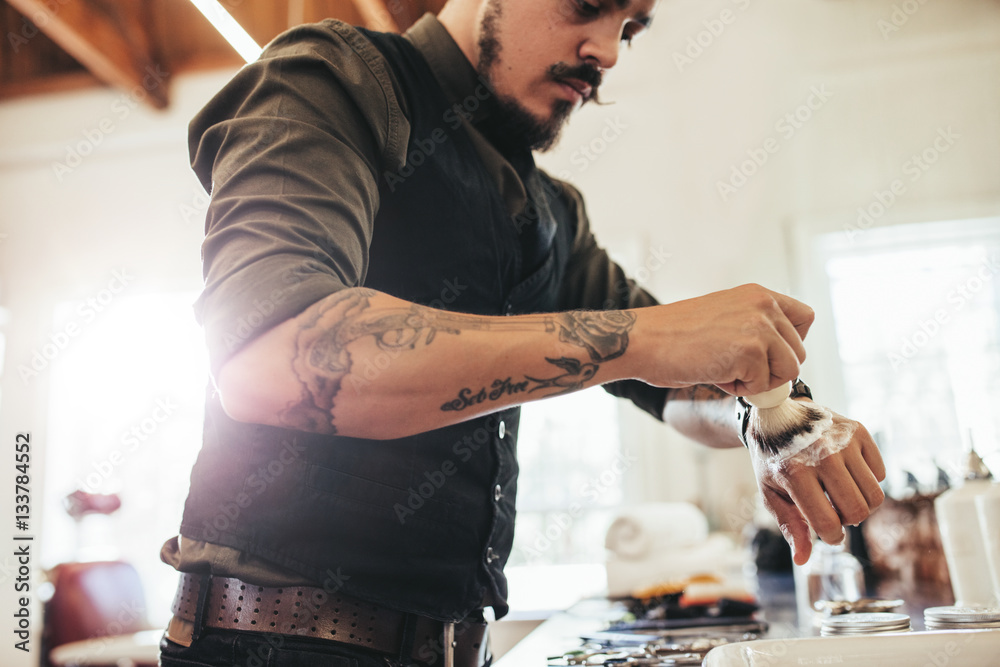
854 515
808 315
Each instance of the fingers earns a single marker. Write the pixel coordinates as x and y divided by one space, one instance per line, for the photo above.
864 462
865 480
799 314
780 365
791 523
774 344
847 498
808 495
783 364
869 450
794 339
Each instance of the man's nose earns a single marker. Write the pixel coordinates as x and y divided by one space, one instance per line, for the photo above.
601 48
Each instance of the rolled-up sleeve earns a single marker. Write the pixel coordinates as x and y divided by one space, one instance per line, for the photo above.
594 281
291 150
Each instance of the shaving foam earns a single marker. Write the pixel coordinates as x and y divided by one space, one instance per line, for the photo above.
822 440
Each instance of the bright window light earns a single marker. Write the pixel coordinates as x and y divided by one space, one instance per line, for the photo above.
570 484
917 316
126 413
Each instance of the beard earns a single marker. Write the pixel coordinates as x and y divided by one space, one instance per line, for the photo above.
519 127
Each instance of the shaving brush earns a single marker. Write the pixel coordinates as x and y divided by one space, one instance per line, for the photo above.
776 420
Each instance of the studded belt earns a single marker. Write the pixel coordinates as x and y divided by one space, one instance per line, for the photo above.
232 604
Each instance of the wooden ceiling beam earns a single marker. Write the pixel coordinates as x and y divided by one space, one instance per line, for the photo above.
113 44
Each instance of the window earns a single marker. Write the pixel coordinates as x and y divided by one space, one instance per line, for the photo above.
570 485
917 314
125 417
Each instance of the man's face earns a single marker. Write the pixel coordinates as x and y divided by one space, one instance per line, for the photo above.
545 58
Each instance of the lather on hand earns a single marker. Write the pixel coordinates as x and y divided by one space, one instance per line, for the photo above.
748 340
825 492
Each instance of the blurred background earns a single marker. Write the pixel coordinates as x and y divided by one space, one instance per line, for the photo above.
846 152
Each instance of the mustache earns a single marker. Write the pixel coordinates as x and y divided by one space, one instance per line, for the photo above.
582 72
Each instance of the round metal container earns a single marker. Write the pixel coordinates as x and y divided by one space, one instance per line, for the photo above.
865 624
961 618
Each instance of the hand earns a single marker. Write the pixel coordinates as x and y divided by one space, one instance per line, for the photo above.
842 489
745 340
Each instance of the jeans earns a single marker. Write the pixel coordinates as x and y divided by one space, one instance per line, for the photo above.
228 648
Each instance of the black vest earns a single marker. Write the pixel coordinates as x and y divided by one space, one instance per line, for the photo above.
422 524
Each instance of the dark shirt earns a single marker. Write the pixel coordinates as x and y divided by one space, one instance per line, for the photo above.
329 105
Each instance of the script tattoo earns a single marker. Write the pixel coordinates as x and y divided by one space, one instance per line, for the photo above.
498 389
604 336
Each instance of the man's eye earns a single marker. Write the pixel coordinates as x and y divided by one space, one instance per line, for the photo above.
631 31
587 9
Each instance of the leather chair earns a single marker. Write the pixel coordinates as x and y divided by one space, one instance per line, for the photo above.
96 615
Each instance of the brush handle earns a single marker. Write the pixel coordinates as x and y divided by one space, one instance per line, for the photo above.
771 398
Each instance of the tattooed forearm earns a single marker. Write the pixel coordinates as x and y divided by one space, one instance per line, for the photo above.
322 360
324 357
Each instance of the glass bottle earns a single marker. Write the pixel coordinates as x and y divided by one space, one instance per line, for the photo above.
831 573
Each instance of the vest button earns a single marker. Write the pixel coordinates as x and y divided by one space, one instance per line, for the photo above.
491 555
502 431
497 493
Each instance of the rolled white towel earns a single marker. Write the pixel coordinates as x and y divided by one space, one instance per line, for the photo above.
647 529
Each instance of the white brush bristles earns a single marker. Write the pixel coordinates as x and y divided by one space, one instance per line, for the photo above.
774 429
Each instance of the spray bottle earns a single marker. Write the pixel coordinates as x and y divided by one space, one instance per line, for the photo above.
962 538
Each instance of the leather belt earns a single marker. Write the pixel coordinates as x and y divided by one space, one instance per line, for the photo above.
304 611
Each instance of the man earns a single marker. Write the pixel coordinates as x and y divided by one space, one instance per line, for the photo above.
388 276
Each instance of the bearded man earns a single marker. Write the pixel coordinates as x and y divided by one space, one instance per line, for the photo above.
388 276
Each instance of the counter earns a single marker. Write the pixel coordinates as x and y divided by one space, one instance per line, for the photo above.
561 632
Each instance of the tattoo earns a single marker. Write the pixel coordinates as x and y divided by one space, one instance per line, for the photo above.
498 390
575 376
322 361
604 335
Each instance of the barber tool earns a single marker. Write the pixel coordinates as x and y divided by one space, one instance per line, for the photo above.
860 606
773 419
652 654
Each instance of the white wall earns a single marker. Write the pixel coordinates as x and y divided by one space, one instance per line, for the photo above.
676 132
130 204
654 189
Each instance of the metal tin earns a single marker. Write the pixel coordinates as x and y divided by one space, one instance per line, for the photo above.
865 624
961 618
